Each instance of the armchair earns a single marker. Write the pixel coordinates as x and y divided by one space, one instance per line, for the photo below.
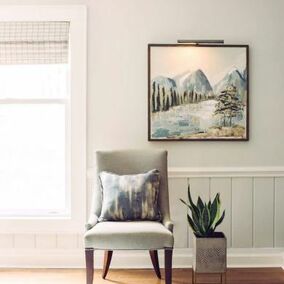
132 235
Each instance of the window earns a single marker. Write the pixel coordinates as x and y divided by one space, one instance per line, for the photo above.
34 118
42 118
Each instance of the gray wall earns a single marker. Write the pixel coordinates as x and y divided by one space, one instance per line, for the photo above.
119 31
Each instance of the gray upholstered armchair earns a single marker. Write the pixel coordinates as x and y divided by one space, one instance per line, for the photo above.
133 235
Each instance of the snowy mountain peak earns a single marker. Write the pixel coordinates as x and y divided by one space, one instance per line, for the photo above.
235 72
168 83
235 78
179 79
197 82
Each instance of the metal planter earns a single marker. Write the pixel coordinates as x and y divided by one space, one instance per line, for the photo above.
210 254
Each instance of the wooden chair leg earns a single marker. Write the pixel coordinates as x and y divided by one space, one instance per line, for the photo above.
155 262
168 266
107 260
89 257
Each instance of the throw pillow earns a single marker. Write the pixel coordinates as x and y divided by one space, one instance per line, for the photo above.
130 197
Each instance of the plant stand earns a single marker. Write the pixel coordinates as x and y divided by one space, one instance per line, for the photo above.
223 277
210 256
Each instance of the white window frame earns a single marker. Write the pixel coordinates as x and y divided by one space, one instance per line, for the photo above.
77 16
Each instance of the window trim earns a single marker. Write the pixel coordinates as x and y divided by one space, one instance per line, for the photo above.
77 16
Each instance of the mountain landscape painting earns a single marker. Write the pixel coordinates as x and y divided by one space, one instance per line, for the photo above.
198 92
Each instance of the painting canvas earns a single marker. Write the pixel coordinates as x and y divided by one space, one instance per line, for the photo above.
198 92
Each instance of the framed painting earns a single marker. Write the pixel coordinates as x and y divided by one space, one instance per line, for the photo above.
198 92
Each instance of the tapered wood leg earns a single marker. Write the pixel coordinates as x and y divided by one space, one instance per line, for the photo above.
168 266
155 262
192 276
107 260
89 257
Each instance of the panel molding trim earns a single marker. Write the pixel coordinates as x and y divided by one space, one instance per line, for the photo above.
187 172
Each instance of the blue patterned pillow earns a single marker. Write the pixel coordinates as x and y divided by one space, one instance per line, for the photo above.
130 197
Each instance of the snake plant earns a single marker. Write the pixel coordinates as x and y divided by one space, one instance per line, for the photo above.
204 217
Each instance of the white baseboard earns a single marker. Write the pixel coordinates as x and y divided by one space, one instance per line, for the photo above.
182 258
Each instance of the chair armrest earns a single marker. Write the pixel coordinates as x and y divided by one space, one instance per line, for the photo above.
93 220
168 223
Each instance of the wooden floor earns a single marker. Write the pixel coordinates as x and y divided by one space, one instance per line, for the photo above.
118 276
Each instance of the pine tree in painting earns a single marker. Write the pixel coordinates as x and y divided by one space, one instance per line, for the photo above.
176 98
158 108
167 103
229 105
164 99
153 97
172 98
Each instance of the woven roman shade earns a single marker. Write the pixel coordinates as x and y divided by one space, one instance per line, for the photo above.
34 42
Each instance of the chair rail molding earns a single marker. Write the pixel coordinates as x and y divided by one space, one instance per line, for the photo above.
187 172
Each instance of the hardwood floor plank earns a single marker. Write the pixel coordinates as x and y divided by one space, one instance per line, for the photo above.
137 276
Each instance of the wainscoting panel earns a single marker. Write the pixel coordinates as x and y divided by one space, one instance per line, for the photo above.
242 212
263 212
279 212
24 241
254 203
198 187
6 241
46 241
177 190
67 241
224 187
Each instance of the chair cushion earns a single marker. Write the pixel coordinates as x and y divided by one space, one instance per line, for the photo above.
130 197
129 235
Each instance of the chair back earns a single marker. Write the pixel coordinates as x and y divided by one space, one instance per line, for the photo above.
125 162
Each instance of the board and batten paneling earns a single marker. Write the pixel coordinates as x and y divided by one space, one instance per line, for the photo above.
177 190
198 187
24 241
279 212
223 186
6 241
67 241
242 212
253 200
263 212
254 208
45 241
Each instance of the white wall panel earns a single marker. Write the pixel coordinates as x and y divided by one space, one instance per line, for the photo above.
45 241
80 242
279 212
263 212
223 186
24 241
67 241
177 190
6 241
198 187
242 210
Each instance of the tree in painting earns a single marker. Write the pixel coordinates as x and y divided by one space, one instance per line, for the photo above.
228 105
